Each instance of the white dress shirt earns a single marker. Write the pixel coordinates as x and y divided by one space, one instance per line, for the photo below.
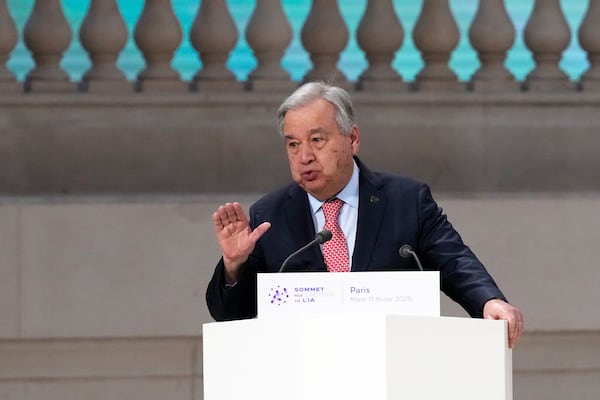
348 214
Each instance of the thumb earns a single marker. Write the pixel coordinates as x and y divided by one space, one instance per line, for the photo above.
259 231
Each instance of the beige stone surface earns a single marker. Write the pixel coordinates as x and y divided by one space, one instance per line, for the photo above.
112 292
110 269
556 366
227 142
126 368
152 388
550 366
554 352
199 392
9 271
106 358
102 268
580 385
541 250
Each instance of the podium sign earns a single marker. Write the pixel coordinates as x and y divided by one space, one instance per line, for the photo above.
383 292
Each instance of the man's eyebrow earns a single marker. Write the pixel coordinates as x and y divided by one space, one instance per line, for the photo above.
312 131
317 130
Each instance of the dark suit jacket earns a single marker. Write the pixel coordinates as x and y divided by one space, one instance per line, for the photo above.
392 211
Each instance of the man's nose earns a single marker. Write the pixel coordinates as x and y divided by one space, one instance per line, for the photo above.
307 154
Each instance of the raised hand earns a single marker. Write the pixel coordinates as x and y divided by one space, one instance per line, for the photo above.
235 237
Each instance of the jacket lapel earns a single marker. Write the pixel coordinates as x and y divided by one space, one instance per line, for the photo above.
371 207
301 225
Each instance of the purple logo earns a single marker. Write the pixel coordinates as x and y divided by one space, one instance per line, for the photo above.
278 295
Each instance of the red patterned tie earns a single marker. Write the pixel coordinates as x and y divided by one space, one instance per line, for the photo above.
335 251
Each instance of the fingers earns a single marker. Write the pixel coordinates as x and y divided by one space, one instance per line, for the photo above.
236 238
228 214
230 219
516 324
498 309
515 329
235 213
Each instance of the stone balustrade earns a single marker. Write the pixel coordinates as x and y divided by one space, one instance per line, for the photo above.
324 35
113 132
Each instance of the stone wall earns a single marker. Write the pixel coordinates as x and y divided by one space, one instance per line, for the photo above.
199 143
104 296
106 242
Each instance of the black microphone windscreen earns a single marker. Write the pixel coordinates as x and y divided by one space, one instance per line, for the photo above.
405 251
323 236
320 238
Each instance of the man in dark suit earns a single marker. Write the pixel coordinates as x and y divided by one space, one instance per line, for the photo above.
377 214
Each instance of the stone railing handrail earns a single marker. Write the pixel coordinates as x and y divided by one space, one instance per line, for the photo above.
324 35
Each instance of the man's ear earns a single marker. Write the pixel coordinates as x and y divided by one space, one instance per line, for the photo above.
355 139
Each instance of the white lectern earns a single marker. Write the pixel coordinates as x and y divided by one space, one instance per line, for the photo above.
357 357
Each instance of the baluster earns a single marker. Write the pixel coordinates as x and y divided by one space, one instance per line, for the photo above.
214 35
589 39
547 35
47 35
325 35
492 34
269 33
8 41
380 35
158 35
103 35
436 35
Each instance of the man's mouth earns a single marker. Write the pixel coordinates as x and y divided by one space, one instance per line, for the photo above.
309 175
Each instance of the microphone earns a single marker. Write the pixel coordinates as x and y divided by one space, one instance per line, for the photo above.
320 238
406 251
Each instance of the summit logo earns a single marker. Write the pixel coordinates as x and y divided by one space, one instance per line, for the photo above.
278 295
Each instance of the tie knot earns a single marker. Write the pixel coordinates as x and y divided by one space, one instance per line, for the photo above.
332 208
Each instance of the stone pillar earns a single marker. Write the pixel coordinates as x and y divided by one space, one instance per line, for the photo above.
589 39
436 35
214 35
380 35
547 35
103 35
492 34
325 35
8 41
47 35
158 35
269 33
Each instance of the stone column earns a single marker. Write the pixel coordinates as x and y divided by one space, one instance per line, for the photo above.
547 35
158 35
380 35
47 35
103 35
214 35
589 39
436 35
8 41
492 34
325 35
269 34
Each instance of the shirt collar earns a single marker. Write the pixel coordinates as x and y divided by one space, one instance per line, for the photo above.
348 195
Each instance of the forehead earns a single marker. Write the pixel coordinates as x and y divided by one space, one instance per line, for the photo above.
315 116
